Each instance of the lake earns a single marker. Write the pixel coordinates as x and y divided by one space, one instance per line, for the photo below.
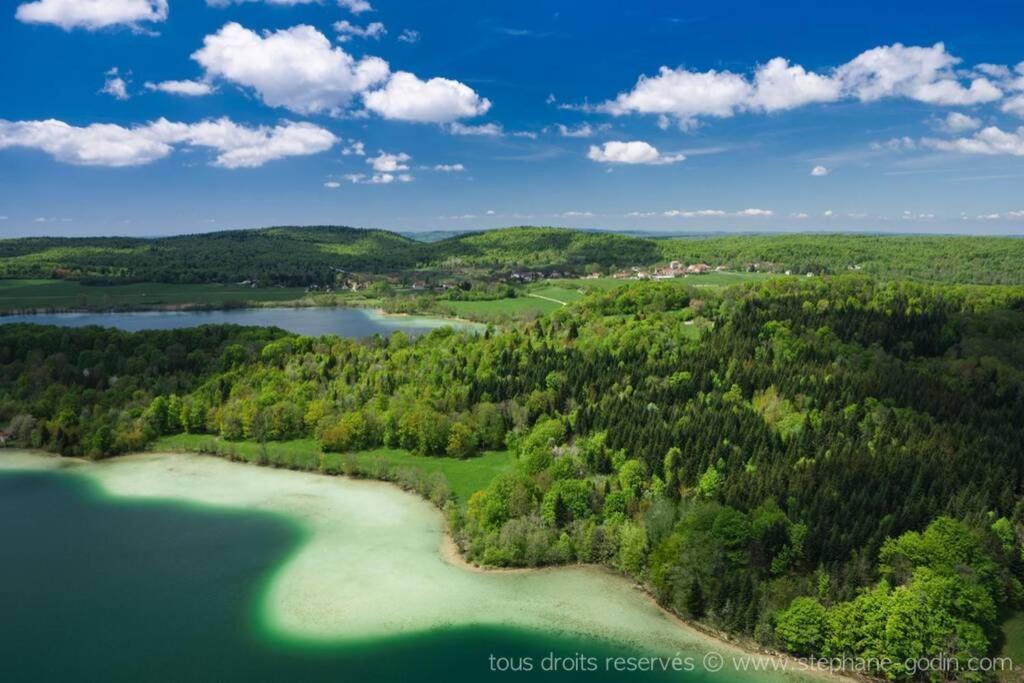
344 322
180 567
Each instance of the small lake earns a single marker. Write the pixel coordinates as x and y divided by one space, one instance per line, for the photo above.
355 323
189 568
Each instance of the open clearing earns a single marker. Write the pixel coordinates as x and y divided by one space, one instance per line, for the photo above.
521 306
464 476
717 279
543 298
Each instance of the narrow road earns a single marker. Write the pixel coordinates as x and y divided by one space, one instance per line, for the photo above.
548 298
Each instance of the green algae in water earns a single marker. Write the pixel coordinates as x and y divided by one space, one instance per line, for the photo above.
108 576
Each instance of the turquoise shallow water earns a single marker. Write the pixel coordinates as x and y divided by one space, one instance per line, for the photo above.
101 587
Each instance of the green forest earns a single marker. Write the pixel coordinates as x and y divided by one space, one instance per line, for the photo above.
830 466
293 256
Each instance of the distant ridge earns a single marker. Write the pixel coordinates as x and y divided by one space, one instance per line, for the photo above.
304 255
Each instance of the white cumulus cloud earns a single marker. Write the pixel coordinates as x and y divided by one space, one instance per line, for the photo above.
354 148
584 130
925 74
98 144
296 68
300 70
633 152
684 95
483 129
389 163
115 85
346 30
408 36
449 168
699 213
1014 105
819 171
991 140
92 15
101 144
406 97
778 85
955 122
900 144
185 88
356 6
920 73
377 178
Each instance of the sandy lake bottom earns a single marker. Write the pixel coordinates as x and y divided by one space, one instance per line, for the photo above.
363 564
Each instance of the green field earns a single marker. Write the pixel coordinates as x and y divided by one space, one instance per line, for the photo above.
551 295
566 295
465 477
65 294
519 307
596 284
720 279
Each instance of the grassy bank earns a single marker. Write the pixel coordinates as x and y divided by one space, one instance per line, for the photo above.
463 477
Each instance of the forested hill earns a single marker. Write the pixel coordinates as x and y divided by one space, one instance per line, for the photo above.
540 247
284 256
314 255
937 258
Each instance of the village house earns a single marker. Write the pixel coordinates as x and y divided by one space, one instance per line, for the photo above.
525 276
325 289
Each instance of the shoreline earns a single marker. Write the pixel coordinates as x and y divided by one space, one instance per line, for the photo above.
451 555
423 316
299 304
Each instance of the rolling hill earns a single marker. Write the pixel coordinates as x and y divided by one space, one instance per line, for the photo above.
299 256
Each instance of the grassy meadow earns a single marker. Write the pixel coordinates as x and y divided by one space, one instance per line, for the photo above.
519 307
465 477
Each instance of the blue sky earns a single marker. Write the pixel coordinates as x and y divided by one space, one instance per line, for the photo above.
148 117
